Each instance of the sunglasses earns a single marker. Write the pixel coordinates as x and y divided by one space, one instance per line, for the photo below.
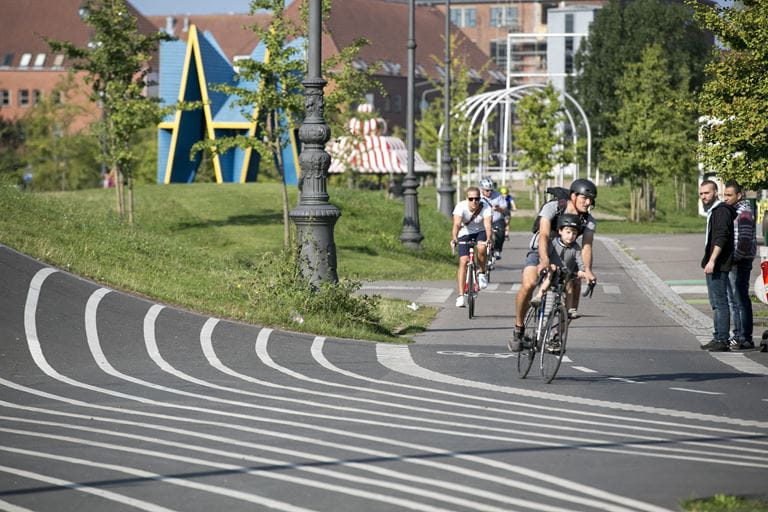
473 199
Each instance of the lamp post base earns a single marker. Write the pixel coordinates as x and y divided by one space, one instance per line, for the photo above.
317 250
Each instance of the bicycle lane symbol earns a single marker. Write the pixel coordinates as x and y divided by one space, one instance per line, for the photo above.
498 355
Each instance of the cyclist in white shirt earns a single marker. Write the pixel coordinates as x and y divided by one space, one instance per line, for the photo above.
498 205
471 221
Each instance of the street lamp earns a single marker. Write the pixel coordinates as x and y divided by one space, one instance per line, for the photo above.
314 216
411 236
446 189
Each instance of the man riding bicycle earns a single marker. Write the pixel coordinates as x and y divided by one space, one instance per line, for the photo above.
498 205
471 221
582 195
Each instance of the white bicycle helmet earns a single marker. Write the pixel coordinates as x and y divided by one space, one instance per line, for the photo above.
487 184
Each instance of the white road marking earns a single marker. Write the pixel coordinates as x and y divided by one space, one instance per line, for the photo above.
515 288
492 287
622 379
80 487
567 359
583 369
741 362
611 289
697 391
140 473
10 507
435 295
684 289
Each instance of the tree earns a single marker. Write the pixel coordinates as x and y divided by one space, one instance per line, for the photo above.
618 35
734 142
655 134
539 137
11 142
433 117
59 158
278 99
115 63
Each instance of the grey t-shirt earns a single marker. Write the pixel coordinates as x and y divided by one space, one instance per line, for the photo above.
549 211
562 256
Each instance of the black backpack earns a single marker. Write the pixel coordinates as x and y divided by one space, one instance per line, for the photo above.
561 195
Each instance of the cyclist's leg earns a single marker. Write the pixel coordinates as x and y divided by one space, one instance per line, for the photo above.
461 275
523 298
481 251
498 234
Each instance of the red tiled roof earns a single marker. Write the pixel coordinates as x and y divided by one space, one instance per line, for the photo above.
24 23
228 29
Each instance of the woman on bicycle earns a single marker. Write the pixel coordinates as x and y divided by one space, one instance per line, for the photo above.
471 221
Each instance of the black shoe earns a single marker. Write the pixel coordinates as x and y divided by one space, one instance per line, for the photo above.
711 343
745 345
720 346
515 343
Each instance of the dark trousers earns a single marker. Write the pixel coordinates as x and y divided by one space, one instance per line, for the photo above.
717 290
498 234
739 301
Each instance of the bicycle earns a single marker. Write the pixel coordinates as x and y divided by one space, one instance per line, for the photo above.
546 327
471 284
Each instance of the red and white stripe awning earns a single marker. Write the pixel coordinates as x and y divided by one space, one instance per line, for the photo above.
372 154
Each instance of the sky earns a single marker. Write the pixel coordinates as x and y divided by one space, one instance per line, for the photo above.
154 7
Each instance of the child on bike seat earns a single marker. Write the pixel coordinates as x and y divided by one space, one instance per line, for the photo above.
564 252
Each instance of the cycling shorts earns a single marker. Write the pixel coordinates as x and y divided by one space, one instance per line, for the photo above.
464 248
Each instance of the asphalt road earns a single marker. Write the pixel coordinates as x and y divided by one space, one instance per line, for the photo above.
111 401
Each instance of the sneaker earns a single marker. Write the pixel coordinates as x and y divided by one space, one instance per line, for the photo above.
482 280
708 345
461 301
553 345
573 314
515 342
733 342
497 255
745 345
720 346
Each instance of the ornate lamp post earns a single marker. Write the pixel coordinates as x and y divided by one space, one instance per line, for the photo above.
314 216
446 189
411 235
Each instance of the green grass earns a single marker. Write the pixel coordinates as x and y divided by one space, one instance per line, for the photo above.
725 503
202 247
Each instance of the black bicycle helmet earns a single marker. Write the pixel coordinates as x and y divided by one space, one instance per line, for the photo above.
568 220
584 187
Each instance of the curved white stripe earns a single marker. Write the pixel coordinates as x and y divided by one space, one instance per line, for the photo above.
254 498
107 495
213 489
10 507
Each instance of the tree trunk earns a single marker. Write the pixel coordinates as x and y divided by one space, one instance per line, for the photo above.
119 192
278 155
129 204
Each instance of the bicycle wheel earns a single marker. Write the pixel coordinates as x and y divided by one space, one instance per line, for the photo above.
553 343
471 290
528 352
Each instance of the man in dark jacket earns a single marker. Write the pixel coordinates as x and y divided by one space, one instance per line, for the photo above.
717 261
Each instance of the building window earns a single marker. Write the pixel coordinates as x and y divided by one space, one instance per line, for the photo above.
58 60
569 43
397 103
40 60
37 95
5 97
369 99
504 17
25 58
499 53
23 97
56 96
7 60
464 17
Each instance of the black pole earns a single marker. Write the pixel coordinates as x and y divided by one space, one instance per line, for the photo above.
411 236
446 189
314 216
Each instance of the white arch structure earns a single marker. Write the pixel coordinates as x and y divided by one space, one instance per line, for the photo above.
480 107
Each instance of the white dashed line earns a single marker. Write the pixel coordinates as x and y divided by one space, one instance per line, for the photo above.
697 391
611 289
583 369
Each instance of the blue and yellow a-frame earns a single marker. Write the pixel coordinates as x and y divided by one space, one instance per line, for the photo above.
186 70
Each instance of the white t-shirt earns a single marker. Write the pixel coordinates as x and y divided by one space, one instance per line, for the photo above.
477 225
496 199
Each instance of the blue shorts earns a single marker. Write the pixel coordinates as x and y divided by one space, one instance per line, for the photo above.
532 260
464 248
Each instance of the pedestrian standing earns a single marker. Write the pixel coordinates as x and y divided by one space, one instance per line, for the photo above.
744 252
717 262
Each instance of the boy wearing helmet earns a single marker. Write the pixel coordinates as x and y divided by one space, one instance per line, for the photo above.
511 207
582 195
564 252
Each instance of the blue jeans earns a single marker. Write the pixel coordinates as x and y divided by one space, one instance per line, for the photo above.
738 298
717 290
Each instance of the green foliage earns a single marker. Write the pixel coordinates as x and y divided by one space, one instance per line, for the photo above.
11 142
538 137
428 126
725 503
58 158
115 63
735 98
618 35
655 130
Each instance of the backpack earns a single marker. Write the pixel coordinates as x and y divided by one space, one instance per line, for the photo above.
561 195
